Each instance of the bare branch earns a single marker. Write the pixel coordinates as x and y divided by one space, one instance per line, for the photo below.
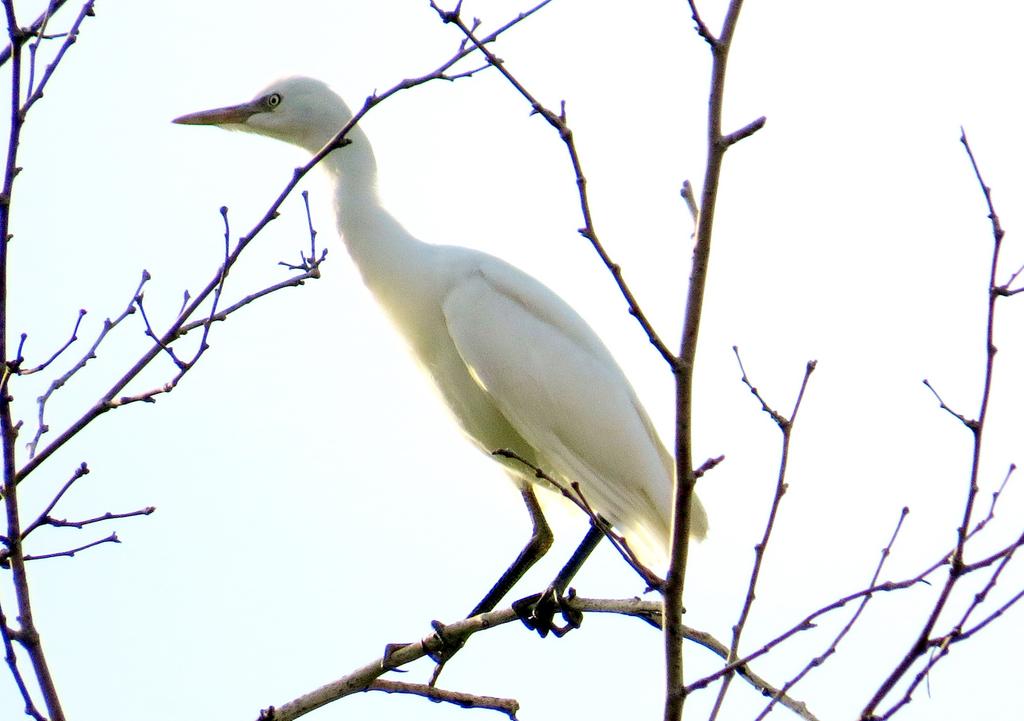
27 634
819 660
33 30
150 333
44 517
745 132
703 30
312 262
108 516
298 280
69 40
45 364
683 368
971 424
507 706
58 383
398 655
957 568
11 657
70 553
786 426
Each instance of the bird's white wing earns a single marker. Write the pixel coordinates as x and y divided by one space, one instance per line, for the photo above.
555 382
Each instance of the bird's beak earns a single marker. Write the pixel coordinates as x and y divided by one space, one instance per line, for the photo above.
231 115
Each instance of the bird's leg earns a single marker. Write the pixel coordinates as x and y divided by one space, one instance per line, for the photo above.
537 612
535 548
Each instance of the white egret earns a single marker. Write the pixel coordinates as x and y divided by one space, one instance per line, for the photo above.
518 367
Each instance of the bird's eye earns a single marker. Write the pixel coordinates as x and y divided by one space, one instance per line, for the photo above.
272 100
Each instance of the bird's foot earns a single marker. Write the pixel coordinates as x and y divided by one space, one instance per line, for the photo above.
537 612
443 654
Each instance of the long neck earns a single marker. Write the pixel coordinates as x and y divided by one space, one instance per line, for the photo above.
391 261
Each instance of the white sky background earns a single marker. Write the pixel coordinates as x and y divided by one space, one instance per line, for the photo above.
314 503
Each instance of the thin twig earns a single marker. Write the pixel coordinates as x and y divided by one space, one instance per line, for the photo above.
69 40
58 383
11 657
150 333
44 517
703 30
957 567
312 263
70 553
108 516
222 315
32 30
942 404
27 634
45 364
786 427
820 659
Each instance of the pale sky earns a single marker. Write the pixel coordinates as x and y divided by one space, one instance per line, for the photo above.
315 503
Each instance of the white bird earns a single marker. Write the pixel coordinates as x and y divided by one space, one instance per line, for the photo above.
517 366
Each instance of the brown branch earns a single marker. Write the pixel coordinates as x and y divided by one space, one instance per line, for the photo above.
957 568
27 634
11 657
312 273
703 30
31 31
971 424
820 659
108 516
807 622
45 364
44 517
150 333
312 262
398 655
58 383
69 40
786 427
507 706
70 553
683 368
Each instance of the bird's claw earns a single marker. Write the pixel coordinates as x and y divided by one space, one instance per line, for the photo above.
537 612
389 652
448 648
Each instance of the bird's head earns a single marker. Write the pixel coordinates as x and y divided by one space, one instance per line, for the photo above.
297 110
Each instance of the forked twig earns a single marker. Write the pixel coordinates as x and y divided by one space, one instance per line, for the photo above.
785 425
958 568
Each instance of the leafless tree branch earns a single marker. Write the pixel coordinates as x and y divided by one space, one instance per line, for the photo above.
785 425
957 566
57 354
683 368
507 706
399 655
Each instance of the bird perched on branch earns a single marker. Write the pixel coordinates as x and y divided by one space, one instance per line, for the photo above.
518 367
